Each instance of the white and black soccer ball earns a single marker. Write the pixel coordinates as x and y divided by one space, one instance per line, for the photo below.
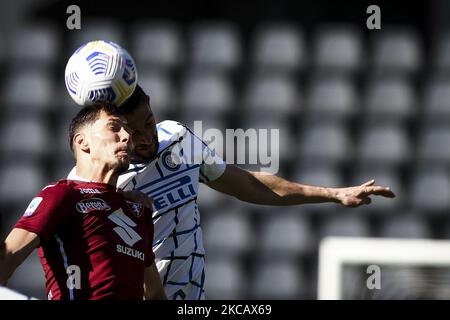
100 70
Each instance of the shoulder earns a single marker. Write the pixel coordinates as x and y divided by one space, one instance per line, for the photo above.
169 128
51 196
170 132
59 188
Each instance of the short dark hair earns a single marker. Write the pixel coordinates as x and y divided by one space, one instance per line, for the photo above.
137 97
88 115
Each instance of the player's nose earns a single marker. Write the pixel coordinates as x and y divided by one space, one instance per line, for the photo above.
124 135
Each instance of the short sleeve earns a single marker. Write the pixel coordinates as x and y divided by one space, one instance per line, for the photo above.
212 166
47 211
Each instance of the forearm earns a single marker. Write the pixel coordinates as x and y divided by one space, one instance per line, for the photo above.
268 189
272 190
14 250
153 288
6 266
3 278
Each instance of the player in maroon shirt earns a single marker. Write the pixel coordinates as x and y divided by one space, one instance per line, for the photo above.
92 242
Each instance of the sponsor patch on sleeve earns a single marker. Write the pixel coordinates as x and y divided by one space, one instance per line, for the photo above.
32 206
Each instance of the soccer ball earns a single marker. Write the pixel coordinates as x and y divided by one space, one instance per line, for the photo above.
100 70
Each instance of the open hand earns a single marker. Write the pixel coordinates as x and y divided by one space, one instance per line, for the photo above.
359 195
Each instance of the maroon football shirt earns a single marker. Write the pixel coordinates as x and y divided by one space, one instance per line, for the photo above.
94 244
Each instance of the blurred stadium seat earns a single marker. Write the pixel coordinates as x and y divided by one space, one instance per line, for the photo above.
36 45
215 46
437 100
24 137
331 97
325 143
159 87
389 99
396 50
228 231
19 182
431 145
429 189
205 94
277 279
338 48
29 91
440 55
156 44
224 278
266 93
383 144
286 235
279 48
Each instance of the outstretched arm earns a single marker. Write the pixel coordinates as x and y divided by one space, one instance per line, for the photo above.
268 189
14 250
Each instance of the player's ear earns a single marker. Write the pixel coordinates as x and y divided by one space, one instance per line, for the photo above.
80 141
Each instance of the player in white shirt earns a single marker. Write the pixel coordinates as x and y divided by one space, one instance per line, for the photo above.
170 162
173 186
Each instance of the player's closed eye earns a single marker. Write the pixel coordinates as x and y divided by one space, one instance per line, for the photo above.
114 128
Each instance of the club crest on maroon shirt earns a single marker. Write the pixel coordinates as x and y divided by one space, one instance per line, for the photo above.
136 208
92 204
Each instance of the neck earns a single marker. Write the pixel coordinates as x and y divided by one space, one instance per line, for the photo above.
97 173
